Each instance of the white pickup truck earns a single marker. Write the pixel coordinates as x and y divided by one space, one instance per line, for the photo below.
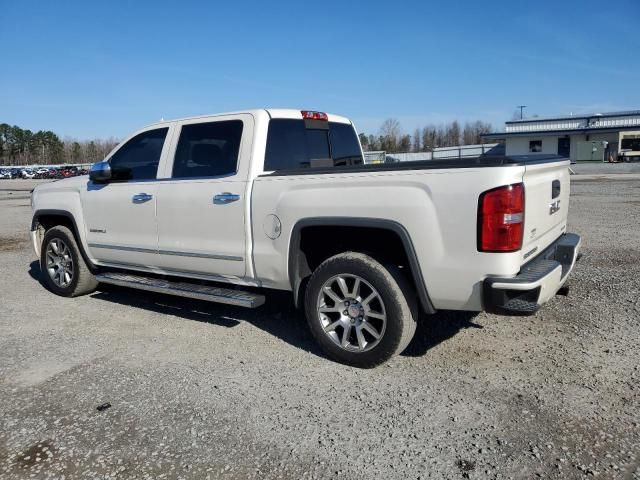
221 207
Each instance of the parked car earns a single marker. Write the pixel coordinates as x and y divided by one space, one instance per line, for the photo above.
26 173
5 174
281 199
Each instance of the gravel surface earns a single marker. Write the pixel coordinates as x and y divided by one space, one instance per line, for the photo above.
196 390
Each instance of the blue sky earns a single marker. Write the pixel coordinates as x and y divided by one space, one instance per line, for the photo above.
100 69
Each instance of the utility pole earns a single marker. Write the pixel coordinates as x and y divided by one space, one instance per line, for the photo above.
521 107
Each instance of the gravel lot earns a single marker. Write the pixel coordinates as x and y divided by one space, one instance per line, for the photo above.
205 391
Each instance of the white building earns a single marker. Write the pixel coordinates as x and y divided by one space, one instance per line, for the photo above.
591 137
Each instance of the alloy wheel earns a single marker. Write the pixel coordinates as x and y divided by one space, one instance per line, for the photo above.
59 263
351 312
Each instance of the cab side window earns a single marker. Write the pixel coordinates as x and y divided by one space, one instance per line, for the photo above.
138 158
208 149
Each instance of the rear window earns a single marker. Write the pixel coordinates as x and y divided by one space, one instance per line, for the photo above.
293 146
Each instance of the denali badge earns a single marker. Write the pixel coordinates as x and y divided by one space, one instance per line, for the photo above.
554 207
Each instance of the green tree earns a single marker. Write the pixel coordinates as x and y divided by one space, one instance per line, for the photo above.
92 152
405 143
76 152
364 141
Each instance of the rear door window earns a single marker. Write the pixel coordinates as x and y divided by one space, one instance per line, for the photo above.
208 149
291 145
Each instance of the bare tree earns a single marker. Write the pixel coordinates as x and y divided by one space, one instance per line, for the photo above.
390 127
417 140
472 133
429 140
468 134
389 134
441 137
452 135
390 137
481 128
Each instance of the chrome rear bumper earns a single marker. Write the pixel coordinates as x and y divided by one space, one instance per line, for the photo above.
538 281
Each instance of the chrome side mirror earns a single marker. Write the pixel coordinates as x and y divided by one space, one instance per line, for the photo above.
100 172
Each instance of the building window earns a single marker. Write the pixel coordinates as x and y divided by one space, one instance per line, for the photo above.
535 146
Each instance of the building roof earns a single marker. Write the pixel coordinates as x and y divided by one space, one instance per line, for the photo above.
572 124
624 113
543 133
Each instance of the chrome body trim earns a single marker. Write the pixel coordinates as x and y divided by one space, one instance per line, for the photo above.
201 255
123 248
167 252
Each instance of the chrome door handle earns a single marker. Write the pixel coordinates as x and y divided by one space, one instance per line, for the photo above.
225 197
141 197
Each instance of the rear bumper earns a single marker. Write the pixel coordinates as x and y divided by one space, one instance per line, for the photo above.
538 281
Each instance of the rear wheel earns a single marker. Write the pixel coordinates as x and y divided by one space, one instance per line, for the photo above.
360 312
64 270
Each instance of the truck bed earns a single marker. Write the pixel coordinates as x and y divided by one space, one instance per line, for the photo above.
449 163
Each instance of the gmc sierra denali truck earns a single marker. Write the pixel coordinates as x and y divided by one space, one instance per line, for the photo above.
221 207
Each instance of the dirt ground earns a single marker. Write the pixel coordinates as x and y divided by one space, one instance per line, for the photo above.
199 390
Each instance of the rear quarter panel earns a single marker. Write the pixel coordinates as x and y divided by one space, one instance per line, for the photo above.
438 208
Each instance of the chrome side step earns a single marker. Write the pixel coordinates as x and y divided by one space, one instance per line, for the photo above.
183 289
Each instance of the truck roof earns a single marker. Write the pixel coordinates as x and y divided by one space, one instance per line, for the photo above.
272 112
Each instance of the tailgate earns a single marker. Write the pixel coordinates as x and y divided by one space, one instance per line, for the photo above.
546 205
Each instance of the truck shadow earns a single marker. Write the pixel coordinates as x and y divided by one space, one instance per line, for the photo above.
437 328
277 317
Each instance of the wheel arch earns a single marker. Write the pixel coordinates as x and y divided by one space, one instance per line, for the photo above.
48 218
298 266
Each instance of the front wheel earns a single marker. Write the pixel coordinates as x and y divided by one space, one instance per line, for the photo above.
64 270
359 311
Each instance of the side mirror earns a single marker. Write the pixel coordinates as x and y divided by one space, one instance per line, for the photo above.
100 172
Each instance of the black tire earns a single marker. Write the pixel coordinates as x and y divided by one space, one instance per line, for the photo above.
82 280
396 293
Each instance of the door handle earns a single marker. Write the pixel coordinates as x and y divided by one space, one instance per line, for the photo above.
141 197
225 197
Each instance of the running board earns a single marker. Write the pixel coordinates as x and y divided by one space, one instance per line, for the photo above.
183 289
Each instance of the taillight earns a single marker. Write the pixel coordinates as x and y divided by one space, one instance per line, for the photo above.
310 115
501 219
